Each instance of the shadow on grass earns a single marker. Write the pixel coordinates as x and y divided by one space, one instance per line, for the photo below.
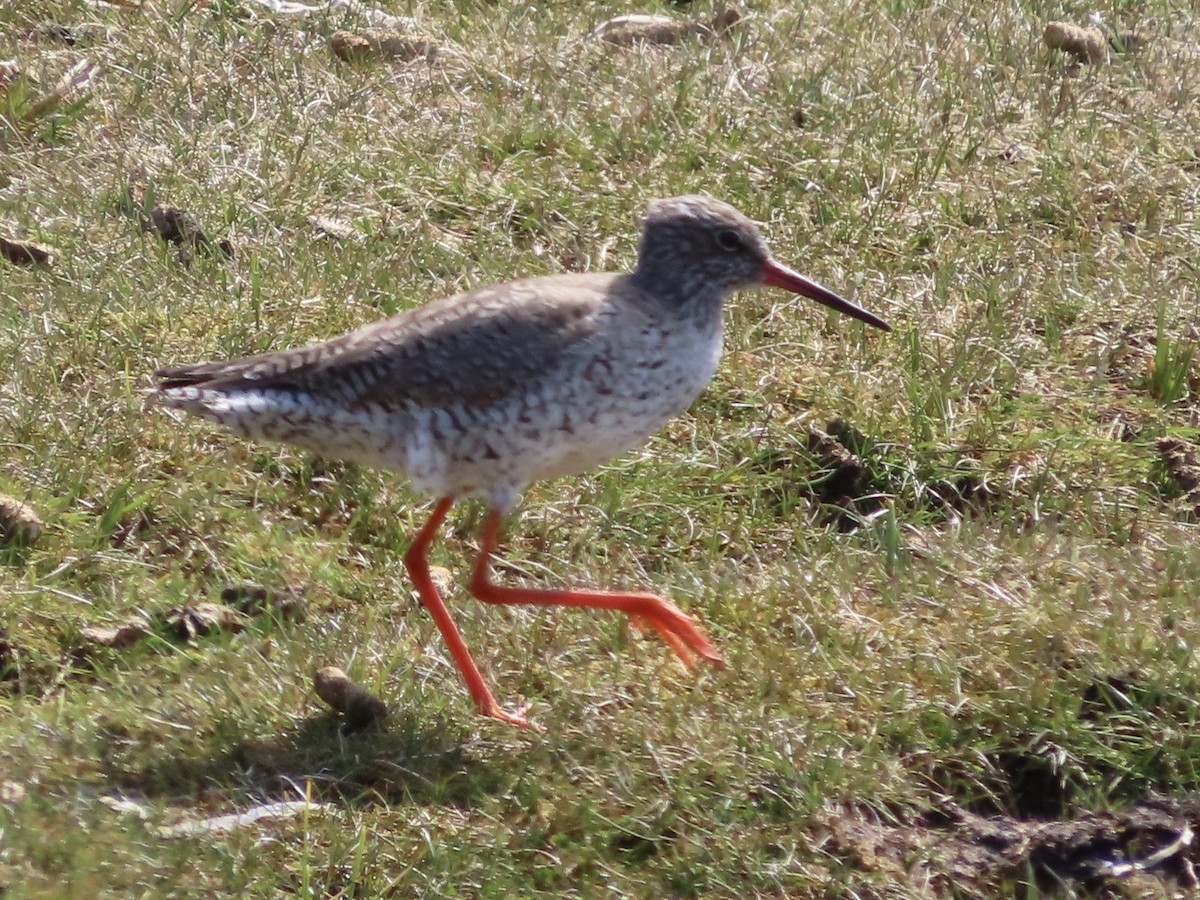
406 760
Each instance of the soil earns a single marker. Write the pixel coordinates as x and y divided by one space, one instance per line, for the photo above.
952 852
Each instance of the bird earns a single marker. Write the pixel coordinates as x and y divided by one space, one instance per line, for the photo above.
478 394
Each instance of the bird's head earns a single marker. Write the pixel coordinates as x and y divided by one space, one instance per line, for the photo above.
696 243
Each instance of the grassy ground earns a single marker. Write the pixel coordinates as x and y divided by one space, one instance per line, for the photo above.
1029 228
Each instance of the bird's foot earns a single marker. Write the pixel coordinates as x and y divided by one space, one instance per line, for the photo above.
517 717
678 629
682 650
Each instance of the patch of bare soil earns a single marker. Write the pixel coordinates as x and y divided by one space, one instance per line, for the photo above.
952 852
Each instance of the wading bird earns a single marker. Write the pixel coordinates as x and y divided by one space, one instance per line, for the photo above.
481 393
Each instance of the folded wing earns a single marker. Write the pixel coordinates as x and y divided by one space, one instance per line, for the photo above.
511 335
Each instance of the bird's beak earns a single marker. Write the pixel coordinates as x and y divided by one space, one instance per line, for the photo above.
776 274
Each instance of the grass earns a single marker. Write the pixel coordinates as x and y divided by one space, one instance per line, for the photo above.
1028 227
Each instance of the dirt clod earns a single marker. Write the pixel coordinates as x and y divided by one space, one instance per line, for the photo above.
1013 153
360 707
68 35
116 636
256 599
1085 44
845 469
19 524
191 622
24 253
1179 457
380 43
8 657
177 226
173 226
631 30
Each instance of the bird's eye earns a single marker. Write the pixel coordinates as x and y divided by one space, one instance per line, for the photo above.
730 241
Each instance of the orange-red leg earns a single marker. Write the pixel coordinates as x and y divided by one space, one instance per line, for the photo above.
676 627
416 560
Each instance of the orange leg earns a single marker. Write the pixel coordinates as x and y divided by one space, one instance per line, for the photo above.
417 562
676 627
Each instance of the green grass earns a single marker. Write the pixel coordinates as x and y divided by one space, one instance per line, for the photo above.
1044 302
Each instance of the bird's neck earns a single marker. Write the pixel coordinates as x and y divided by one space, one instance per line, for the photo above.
677 292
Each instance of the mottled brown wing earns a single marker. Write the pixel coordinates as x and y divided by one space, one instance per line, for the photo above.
473 348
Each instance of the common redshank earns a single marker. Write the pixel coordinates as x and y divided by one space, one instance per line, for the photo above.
480 393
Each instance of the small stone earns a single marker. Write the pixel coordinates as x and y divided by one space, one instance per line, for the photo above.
442 578
355 702
19 524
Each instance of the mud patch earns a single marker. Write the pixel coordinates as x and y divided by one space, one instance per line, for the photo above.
952 852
